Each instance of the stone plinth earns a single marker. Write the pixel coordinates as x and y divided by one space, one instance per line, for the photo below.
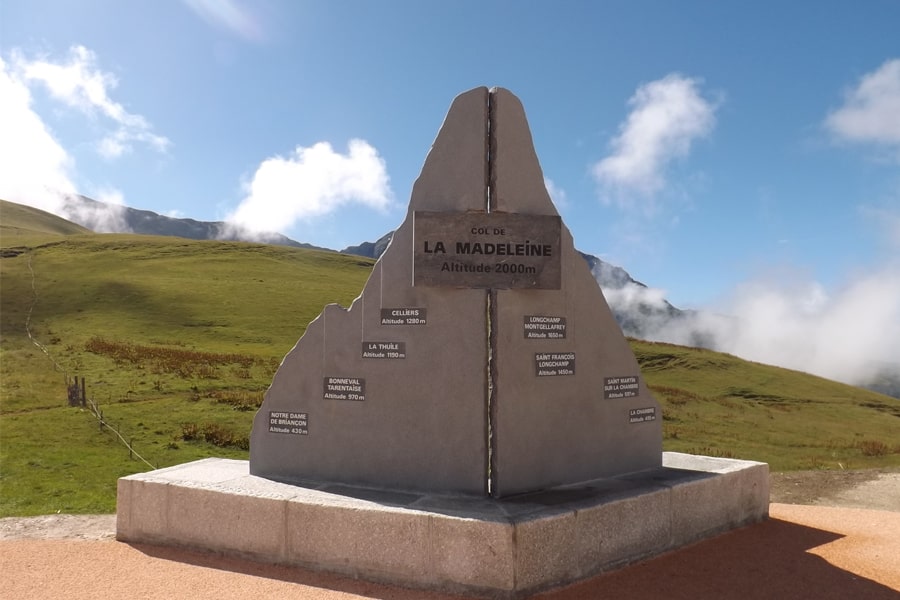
495 548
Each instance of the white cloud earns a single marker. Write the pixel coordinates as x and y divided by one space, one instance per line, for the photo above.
36 169
80 84
666 117
846 335
107 215
840 336
231 15
888 220
557 194
312 182
871 110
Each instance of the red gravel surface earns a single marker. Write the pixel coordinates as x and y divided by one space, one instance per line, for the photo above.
802 551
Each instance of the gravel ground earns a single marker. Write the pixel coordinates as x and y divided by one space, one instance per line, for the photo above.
831 536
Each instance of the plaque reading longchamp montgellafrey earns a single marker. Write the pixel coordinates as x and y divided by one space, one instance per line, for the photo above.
542 327
404 316
486 250
641 415
620 387
384 349
289 422
548 364
345 388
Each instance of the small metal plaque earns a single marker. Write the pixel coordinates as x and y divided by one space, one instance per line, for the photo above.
620 387
544 327
550 364
289 422
642 415
384 350
345 388
404 316
486 250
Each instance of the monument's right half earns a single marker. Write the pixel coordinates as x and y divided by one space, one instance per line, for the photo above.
569 403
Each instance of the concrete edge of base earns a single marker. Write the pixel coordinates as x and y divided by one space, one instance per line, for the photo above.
499 549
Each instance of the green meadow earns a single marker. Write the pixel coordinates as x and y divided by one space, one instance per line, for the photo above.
178 340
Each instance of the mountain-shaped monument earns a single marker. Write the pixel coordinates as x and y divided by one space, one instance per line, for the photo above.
480 360
481 357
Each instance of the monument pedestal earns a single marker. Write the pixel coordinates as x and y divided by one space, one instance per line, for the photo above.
495 548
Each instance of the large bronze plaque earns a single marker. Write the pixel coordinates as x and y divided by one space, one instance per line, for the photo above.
486 250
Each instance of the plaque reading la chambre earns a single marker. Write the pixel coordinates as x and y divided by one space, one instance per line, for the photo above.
486 250
642 415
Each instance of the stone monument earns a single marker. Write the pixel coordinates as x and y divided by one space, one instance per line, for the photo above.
475 421
481 357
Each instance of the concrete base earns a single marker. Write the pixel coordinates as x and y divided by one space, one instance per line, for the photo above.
495 548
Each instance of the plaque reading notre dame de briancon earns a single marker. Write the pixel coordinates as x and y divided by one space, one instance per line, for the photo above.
486 250
289 422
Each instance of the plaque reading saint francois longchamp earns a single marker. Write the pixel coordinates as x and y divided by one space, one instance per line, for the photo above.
486 250
549 364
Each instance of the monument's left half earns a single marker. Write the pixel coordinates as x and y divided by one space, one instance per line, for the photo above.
373 394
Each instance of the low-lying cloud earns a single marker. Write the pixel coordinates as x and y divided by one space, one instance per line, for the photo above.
847 335
312 182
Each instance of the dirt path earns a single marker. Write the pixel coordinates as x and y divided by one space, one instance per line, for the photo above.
877 489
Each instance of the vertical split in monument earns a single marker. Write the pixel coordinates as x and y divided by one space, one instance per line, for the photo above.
508 372
589 413
491 308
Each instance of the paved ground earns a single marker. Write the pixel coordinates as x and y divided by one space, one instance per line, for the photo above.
802 551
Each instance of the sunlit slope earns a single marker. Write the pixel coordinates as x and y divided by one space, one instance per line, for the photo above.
722 405
18 221
170 334
178 340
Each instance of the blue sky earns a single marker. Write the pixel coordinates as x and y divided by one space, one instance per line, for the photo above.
703 146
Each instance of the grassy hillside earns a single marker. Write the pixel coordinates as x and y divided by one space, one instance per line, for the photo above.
721 405
19 222
178 340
